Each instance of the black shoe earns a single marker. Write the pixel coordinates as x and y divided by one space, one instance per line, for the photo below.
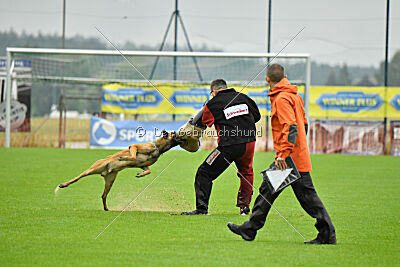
236 229
194 212
244 210
319 241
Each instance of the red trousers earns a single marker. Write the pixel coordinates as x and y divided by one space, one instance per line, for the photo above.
216 163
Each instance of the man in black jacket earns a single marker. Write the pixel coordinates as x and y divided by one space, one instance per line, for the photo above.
234 116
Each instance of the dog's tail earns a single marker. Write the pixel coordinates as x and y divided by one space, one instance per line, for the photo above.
58 188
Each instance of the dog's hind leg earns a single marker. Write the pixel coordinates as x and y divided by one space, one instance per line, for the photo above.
146 171
108 182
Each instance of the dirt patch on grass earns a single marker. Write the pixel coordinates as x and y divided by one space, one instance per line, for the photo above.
165 199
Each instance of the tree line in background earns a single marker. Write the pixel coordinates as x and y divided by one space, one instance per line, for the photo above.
322 74
47 94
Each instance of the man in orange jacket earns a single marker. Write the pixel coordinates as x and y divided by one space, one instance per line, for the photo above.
289 130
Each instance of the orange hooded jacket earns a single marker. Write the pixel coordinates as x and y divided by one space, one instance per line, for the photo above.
289 124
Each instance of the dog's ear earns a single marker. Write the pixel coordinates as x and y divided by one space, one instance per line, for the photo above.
164 133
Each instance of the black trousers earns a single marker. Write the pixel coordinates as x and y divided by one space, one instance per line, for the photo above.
216 163
308 198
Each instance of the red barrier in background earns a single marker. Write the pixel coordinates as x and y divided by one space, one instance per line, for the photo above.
347 137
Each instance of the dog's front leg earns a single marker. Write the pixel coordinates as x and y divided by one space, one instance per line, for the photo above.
132 151
146 171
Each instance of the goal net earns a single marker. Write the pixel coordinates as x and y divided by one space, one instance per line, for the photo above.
67 87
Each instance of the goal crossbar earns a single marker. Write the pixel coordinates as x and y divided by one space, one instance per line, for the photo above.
152 53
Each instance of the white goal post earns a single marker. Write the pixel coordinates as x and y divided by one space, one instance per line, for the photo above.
13 53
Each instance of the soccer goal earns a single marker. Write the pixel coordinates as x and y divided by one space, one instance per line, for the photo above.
56 74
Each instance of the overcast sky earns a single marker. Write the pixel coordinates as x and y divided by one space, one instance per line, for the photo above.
337 32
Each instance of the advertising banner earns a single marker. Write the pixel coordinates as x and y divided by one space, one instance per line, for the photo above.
326 102
347 102
393 98
20 97
145 99
170 98
122 134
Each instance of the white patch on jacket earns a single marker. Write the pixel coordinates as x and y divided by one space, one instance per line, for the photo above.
236 110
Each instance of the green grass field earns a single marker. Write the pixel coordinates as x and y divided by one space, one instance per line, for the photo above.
361 194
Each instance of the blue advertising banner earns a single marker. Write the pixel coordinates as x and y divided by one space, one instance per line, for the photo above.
121 134
18 63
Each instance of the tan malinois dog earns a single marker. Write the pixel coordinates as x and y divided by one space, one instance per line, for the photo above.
136 156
